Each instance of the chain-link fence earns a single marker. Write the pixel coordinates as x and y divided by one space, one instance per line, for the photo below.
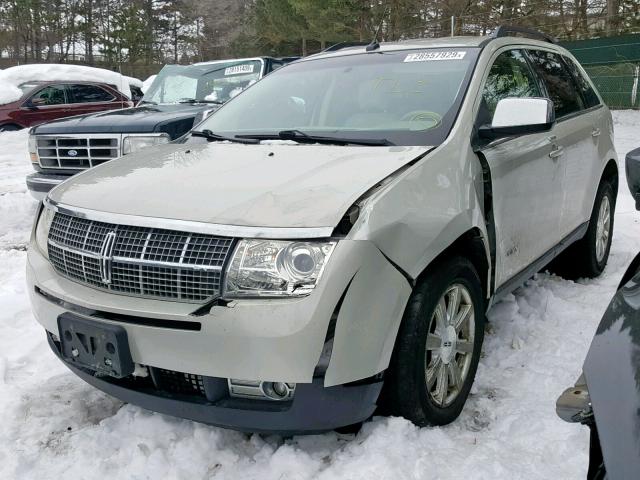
613 63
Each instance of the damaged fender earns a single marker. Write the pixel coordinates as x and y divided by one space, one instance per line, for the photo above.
425 209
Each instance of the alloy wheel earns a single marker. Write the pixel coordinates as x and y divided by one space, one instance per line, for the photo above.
449 346
603 228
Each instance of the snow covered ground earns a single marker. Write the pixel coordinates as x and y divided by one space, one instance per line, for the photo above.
55 426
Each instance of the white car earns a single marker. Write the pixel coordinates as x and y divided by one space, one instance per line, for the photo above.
330 240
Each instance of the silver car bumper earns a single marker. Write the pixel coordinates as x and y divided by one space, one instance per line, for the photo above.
268 340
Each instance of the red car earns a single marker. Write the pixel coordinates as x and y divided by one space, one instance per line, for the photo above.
45 101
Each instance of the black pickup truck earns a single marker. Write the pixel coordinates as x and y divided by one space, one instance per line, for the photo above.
179 98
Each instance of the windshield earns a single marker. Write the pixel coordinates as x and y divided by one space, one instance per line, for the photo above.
406 97
213 82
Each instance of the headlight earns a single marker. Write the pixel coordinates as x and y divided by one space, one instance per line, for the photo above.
42 230
272 268
138 142
33 148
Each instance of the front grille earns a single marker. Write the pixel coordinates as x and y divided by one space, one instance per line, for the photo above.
178 382
138 261
76 152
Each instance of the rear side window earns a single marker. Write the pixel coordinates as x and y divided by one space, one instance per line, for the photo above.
559 82
510 76
89 94
588 93
49 95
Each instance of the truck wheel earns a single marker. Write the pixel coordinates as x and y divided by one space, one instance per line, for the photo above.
438 346
588 256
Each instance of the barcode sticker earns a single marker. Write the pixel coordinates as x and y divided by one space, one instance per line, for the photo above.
435 56
236 69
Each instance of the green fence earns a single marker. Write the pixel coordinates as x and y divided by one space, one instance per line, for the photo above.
613 63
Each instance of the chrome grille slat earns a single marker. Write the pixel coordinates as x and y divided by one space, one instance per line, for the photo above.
143 262
91 150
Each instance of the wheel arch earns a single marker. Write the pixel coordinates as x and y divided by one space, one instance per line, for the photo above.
611 174
12 124
473 246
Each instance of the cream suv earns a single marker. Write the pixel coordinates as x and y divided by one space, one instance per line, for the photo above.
330 240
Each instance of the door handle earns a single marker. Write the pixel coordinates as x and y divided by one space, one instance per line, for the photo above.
595 132
556 151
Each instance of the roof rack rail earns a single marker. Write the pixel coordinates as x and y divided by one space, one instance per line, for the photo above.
341 45
513 31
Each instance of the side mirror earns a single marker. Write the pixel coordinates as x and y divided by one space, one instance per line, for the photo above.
519 116
37 102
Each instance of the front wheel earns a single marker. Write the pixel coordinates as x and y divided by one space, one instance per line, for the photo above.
438 346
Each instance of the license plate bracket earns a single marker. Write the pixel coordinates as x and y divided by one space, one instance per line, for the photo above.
101 347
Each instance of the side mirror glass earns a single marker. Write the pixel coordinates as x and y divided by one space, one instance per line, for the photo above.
38 101
519 116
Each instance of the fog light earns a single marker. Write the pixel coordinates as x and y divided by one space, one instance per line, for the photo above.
257 390
278 390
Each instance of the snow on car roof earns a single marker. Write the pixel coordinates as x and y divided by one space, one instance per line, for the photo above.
13 77
135 82
147 83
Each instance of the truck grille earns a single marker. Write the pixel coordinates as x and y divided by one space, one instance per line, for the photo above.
138 261
77 152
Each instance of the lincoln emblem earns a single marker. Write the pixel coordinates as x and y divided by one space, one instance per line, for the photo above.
106 256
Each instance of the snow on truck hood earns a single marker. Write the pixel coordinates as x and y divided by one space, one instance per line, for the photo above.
232 184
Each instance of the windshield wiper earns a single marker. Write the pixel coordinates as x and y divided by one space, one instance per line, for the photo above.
302 137
209 135
195 100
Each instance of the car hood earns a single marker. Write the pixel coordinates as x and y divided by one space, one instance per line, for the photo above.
144 119
232 184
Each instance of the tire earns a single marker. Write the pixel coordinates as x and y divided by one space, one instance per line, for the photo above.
9 128
588 256
422 348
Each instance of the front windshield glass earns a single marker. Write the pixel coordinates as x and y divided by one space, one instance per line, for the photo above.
213 82
408 97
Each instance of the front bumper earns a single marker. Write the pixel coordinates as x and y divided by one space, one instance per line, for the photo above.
359 302
39 183
314 408
278 340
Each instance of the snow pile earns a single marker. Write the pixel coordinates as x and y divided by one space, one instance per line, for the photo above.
9 93
147 83
136 82
55 425
14 76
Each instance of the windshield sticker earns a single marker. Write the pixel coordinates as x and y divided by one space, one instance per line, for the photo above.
434 56
237 69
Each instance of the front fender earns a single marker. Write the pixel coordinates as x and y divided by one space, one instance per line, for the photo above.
426 209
